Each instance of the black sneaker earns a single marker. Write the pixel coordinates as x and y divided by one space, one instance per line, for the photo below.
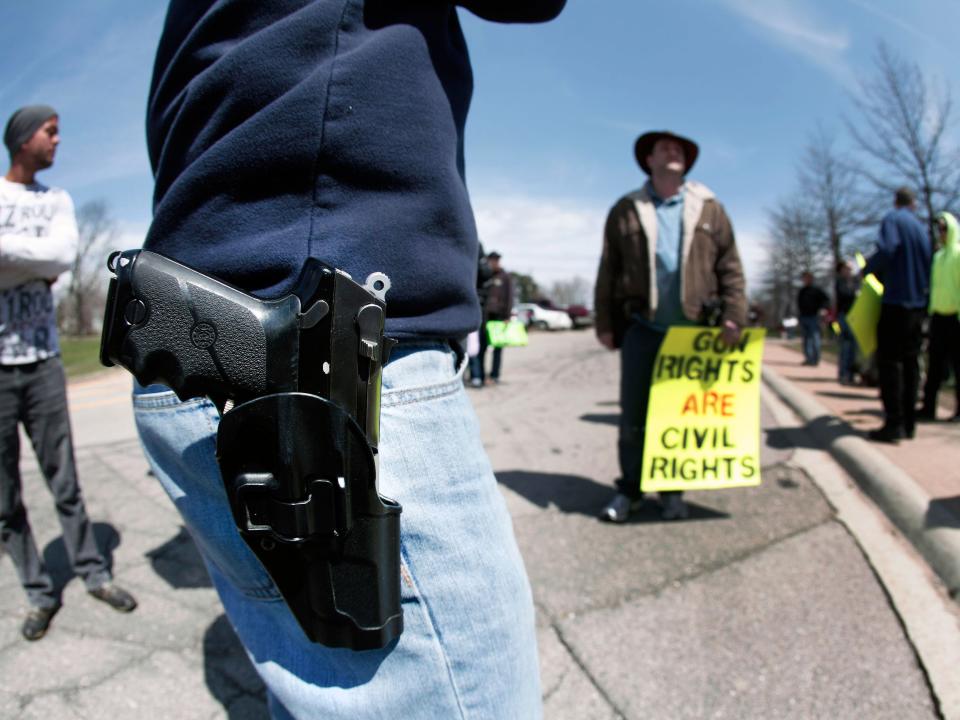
620 508
37 622
116 597
674 508
886 435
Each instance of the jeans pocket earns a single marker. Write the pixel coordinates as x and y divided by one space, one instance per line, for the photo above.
179 440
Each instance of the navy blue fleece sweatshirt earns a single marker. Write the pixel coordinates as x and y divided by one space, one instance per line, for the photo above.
284 129
902 260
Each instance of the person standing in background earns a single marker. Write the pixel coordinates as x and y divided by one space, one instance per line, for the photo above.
902 263
811 303
38 242
944 347
845 289
497 300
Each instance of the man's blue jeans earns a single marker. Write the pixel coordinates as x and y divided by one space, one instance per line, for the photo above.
468 648
810 325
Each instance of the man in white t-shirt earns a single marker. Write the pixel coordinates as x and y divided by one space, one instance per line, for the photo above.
38 241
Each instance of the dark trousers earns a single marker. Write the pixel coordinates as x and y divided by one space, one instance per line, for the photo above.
638 353
943 352
35 395
477 363
899 337
848 350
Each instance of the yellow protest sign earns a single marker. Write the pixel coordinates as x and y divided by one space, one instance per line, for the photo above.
703 420
864 314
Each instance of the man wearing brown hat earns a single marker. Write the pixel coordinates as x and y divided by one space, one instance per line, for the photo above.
669 258
38 241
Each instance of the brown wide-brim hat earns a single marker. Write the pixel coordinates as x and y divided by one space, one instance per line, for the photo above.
644 146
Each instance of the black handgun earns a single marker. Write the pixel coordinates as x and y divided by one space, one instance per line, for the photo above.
297 380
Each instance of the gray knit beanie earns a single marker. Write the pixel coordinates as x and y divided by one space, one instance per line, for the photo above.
23 124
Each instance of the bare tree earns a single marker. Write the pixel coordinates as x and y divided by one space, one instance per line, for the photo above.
829 183
575 291
795 246
525 288
902 134
83 302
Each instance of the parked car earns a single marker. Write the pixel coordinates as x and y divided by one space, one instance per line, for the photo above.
532 315
580 316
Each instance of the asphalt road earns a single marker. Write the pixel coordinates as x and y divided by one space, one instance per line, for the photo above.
762 605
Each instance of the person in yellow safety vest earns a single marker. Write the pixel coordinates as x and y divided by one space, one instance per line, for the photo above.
944 343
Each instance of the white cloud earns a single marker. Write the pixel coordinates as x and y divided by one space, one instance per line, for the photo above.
796 27
550 239
751 244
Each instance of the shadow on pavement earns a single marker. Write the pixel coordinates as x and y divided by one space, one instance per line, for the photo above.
847 395
794 378
816 434
602 418
179 563
649 514
58 563
870 412
577 494
943 512
569 493
230 676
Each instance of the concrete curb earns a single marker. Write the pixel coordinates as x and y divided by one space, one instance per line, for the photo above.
904 502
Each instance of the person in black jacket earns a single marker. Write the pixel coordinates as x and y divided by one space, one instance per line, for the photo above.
811 302
497 301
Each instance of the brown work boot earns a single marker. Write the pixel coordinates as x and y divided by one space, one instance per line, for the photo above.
114 596
37 622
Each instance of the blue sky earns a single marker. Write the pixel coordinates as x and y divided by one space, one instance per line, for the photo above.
556 107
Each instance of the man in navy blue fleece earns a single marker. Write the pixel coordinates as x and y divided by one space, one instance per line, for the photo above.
902 263
285 129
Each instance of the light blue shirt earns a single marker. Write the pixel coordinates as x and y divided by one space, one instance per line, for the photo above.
669 246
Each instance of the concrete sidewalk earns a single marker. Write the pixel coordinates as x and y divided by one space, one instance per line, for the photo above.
916 482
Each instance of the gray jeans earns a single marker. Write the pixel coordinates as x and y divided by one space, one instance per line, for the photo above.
35 395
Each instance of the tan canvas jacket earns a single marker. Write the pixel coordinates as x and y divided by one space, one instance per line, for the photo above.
710 267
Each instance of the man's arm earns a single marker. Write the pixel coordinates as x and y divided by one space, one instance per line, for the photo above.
28 257
610 268
887 243
730 279
514 11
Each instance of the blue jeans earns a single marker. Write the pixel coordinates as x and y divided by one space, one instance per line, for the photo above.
810 325
468 648
478 363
